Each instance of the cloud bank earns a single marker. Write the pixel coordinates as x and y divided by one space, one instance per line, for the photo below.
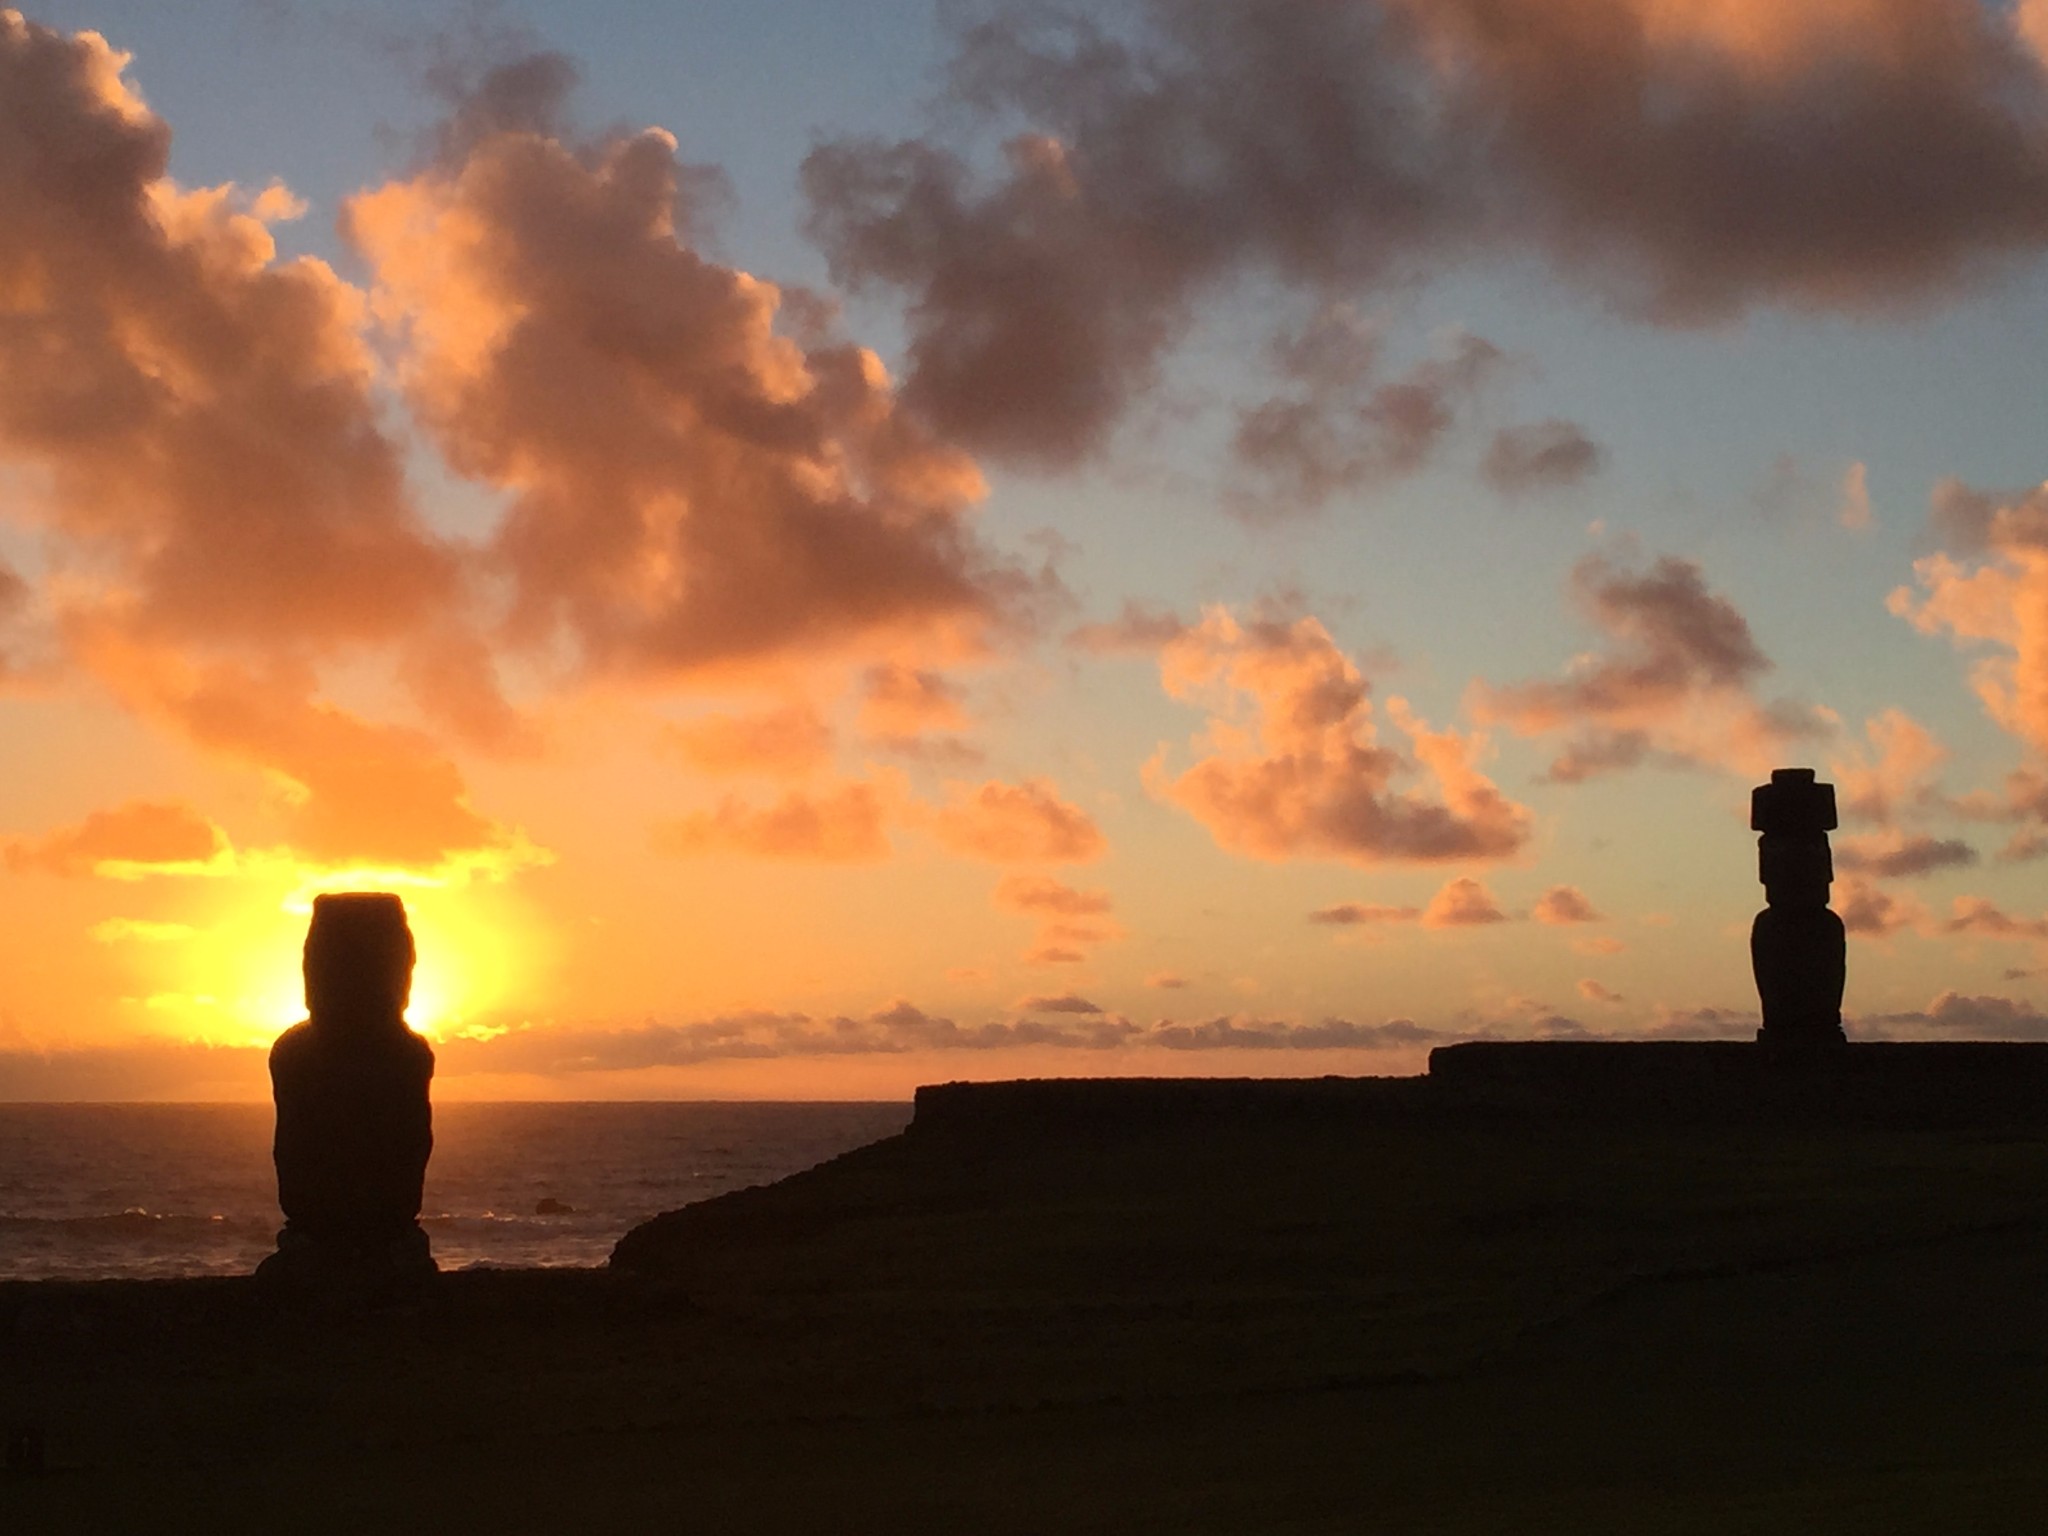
1684 163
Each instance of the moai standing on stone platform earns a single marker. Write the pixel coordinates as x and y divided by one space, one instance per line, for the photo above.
1797 945
354 1123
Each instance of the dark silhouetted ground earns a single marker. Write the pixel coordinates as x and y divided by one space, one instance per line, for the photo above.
1406 1319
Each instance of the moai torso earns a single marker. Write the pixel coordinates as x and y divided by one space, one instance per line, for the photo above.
354 1122
1797 946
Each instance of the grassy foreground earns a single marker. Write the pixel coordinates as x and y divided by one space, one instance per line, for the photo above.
1406 1321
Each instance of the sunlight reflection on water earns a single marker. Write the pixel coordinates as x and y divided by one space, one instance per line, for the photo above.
93 1191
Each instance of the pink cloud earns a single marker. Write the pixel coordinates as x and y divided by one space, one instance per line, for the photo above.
1895 776
1041 895
846 824
1993 599
899 701
1139 628
781 743
1307 776
1563 905
1072 922
691 486
1462 903
1869 911
1025 823
1354 914
1986 919
1066 1002
1677 685
1896 856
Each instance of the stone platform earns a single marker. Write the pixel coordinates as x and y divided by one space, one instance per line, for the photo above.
1934 1083
1937 1084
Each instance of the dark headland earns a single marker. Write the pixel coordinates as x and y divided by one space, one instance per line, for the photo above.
1568 1287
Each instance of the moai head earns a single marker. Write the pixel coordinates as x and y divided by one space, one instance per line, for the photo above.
359 958
1795 815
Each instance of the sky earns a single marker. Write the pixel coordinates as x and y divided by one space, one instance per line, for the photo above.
828 547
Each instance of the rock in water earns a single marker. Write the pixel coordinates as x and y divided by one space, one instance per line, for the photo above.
354 1121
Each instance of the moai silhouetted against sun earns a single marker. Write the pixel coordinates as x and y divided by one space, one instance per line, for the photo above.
354 1123
1797 946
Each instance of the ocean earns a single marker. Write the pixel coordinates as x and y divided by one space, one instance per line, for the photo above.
103 1191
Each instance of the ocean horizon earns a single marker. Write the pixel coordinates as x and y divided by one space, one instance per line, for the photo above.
163 1191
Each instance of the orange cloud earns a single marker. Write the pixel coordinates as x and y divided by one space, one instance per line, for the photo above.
1065 1002
1562 905
899 701
1041 895
1984 918
16 598
1025 823
1072 922
844 825
1870 911
1308 777
1995 596
782 743
139 838
1139 628
349 791
202 413
1676 687
1853 511
690 487
1896 776
1355 914
1462 903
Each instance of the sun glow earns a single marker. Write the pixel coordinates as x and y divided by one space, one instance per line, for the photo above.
236 979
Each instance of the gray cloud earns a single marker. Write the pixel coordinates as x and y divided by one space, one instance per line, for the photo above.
1065 1003
1917 855
1543 456
1953 1013
1684 163
1239 1033
1677 684
1340 426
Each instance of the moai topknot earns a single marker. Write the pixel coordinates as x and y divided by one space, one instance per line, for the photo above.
354 1124
1797 945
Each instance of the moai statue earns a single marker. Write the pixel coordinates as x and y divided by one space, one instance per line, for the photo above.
1797 945
354 1123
